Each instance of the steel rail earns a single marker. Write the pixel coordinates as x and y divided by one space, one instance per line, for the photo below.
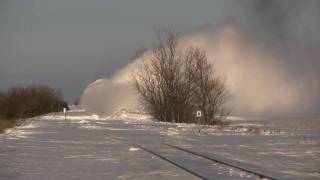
219 161
172 162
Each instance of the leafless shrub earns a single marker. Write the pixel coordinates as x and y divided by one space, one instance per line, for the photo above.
25 102
209 91
161 82
174 84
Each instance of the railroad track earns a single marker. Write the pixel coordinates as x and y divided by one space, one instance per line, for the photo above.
172 162
197 154
251 172
221 162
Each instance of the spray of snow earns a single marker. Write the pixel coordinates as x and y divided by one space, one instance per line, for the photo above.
268 51
260 81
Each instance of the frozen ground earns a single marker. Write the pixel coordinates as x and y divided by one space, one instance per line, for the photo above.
91 147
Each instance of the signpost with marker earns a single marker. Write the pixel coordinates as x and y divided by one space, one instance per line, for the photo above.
199 115
65 113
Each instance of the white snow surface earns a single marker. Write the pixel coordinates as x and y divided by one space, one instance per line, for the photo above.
87 146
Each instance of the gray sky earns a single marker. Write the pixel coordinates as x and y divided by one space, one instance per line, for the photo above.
68 43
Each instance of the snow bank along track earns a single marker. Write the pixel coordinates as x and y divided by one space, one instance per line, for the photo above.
199 155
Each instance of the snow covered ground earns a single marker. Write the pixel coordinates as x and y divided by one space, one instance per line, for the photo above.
91 147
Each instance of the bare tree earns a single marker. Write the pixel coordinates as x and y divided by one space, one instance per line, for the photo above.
173 84
25 102
209 91
161 83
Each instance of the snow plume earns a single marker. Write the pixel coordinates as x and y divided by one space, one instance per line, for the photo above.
106 96
268 53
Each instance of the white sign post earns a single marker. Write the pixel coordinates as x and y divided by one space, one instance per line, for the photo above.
65 113
199 115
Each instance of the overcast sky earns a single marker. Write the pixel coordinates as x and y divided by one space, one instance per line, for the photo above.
68 43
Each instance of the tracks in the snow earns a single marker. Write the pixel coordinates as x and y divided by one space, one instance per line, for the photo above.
200 155
171 162
221 162
168 153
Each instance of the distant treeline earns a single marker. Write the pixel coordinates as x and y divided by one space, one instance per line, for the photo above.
25 102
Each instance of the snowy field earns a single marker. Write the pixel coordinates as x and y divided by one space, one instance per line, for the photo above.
120 147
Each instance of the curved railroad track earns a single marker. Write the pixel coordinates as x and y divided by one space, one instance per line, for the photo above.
200 155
